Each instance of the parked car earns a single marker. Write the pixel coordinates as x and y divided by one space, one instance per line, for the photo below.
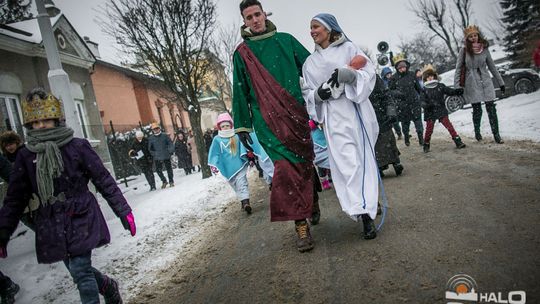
517 81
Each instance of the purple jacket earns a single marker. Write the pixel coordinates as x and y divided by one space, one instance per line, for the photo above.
72 227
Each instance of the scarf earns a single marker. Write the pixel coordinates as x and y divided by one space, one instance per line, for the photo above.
46 143
226 133
246 33
477 48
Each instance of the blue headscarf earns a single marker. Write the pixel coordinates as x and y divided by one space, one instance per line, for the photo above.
329 22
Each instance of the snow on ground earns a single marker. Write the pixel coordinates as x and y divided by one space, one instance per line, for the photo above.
518 119
168 219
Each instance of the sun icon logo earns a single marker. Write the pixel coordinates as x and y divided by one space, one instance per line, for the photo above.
461 287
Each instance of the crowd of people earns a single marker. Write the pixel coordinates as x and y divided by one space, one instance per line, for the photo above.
307 121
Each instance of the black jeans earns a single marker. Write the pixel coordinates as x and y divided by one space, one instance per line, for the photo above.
168 167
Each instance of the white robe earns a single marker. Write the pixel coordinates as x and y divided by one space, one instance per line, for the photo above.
350 126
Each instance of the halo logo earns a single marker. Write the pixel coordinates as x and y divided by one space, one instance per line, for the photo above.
463 287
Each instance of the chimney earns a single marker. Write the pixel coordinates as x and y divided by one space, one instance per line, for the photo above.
92 46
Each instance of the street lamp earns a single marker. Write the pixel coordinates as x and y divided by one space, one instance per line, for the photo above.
58 78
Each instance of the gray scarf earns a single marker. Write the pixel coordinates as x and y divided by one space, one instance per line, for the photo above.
46 143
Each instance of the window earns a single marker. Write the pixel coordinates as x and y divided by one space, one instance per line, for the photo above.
81 117
10 114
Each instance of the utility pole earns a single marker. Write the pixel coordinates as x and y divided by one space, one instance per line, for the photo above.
58 78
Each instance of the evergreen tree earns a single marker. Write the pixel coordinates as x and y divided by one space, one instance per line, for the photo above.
522 20
14 11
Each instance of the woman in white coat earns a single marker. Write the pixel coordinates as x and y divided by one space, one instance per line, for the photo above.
337 95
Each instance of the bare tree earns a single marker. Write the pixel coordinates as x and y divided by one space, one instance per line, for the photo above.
172 40
422 49
444 22
226 40
14 11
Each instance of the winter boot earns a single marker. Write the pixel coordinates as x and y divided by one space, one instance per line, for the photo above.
246 206
477 118
494 121
304 242
398 167
110 291
420 138
8 295
315 213
370 232
164 185
171 184
458 142
426 147
326 184
379 209
407 138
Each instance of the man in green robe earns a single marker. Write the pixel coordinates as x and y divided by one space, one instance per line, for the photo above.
267 98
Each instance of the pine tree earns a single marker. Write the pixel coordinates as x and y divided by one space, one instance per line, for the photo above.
522 20
14 11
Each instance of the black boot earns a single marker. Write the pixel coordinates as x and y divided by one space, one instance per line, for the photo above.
370 232
477 119
493 121
407 138
110 291
420 138
458 142
246 206
8 295
426 147
398 168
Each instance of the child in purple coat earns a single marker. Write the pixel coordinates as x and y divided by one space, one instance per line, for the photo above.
69 224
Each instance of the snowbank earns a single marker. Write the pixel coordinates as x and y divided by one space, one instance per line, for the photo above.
166 221
518 119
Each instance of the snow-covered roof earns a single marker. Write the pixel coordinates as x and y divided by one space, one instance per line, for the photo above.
29 26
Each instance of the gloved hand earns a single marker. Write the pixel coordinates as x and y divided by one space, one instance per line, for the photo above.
214 170
4 239
128 222
503 89
342 75
245 139
322 94
251 158
312 124
459 91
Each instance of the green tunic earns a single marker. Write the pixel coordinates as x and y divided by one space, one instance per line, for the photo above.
283 56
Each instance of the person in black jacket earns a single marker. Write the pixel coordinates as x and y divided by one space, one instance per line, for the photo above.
434 107
139 151
8 288
10 143
386 150
182 152
406 89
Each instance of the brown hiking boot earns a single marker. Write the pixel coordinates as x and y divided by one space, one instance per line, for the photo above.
304 242
246 206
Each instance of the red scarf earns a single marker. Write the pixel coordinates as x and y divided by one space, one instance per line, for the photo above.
477 47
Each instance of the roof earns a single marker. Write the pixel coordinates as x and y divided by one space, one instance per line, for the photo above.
28 26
